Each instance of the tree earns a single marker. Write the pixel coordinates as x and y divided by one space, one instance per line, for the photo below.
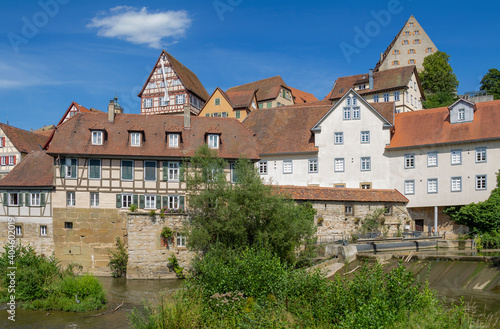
438 80
491 83
480 217
243 214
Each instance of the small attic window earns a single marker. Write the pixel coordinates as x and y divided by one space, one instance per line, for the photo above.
135 139
213 141
97 137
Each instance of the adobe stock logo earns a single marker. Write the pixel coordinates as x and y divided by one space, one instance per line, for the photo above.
224 6
30 28
362 39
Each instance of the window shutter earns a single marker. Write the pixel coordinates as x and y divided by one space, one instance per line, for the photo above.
20 199
14 159
158 201
142 201
5 199
135 199
165 170
165 201
62 167
27 200
3 141
42 199
118 201
181 171
181 201
74 168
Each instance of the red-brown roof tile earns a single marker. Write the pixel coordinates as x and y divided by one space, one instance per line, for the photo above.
241 99
24 141
36 170
300 97
266 88
310 193
432 126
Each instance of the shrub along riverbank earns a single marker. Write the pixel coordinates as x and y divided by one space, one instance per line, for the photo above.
254 289
41 283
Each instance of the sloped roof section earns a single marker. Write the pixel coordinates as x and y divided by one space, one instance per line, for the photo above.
266 88
382 80
300 97
24 141
36 170
74 138
432 126
241 99
388 49
312 193
286 129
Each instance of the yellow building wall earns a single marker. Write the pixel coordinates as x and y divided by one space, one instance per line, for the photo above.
211 109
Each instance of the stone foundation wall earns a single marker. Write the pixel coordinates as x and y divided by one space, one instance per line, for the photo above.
43 244
445 224
147 253
92 237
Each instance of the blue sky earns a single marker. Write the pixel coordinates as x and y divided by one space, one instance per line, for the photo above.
53 52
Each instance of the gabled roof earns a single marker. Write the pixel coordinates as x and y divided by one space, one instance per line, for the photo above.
433 127
80 109
74 138
310 193
382 80
286 129
241 99
266 88
300 97
388 49
24 141
188 78
36 170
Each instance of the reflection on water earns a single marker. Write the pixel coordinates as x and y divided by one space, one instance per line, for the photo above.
131 292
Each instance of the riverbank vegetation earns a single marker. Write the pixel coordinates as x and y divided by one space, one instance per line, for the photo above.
41 284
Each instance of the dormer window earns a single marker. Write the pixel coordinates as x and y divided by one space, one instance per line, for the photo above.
173 140
135 139
461 114
461 111
213 141
97 137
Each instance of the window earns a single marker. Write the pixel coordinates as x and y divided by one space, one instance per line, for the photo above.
18 230
173 140
416 41
313 165
135 139
347 113
43 230
149 170
405 42
365 164
69 168
415 87
411 51
340 185
94 169
456 184
173 202
365 186
360 87
68 225
217 101
126 200
395 62
365 137
432 159
148 103
94 199
481 182
213 141
238 114
173 171
180 99
386 97
287 166
13 199
396 96
375 98
339 138
461 114
269 105
127 166
409 187
411 61
261 105
164 101
411 97
97 137
339 165
151 85
407 33
348 101
388 209
70 199
456 157
35 199
411 24
263 167
409 161
150 201
354 101
480 154
356 114
3 161
396 52
181 240
432 185
417 32
349 210
176 82
12 160
234 175
428 50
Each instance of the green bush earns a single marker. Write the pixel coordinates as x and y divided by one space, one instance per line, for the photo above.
173 264
119 260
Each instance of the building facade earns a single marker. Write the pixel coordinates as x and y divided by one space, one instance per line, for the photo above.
236 104
270 92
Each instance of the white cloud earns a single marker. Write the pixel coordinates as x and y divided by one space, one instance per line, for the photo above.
140 26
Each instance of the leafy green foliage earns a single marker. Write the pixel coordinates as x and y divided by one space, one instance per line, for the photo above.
119 259
372 221
173 264
438 81
491 83
246 213
489 240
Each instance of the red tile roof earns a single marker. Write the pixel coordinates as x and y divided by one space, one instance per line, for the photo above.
36 170
79 108
300 96
432 126
24 141
73 136
286 129
241 99
310 193
382 80
266 88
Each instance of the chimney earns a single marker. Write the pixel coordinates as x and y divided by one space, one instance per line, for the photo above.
370 78
111 111
187 117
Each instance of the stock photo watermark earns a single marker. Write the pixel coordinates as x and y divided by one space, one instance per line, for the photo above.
32 25
223 6
372 28
11 270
